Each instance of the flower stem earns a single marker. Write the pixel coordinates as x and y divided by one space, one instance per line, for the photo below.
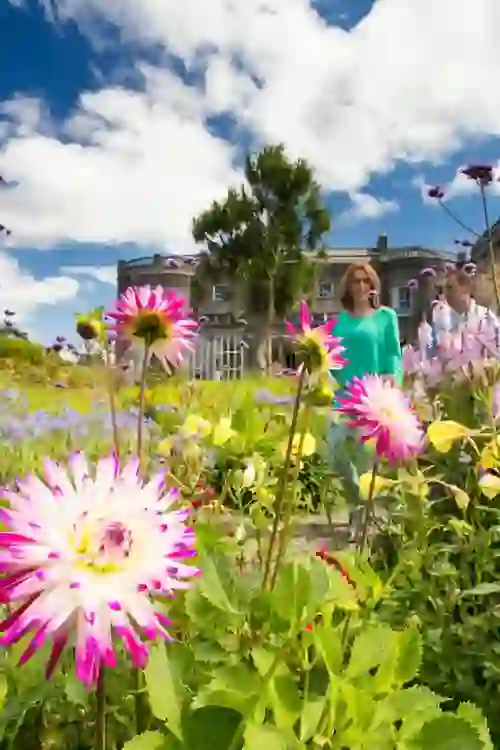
100 740
142 396
141 720
282 537
280 494
368 511
458 221
491 249
111 383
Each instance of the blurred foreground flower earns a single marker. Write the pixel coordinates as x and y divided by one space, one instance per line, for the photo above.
90 326
157 319
381 412
85 556
317 348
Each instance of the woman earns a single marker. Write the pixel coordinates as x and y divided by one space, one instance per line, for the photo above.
370 335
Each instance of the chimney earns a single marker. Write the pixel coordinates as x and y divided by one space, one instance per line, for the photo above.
382 242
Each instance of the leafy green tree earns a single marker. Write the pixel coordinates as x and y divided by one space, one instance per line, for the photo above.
260 236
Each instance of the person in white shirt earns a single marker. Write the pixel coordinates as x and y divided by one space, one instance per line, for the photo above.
465 311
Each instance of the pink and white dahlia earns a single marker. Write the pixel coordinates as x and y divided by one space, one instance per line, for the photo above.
158 319
318 348
84 554
381 412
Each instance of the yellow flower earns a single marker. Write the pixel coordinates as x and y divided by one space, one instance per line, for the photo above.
223 432
165 447
307 442
380 484
196 425
490 485
490 455
442 434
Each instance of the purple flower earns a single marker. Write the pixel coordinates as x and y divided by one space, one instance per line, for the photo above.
436 192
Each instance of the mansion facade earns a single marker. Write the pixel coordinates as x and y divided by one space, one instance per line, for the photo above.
220 305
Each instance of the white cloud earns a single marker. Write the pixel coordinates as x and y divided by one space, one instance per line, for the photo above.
21 292
365 206
411 82
104 274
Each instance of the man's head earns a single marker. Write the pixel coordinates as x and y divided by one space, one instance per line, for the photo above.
458 290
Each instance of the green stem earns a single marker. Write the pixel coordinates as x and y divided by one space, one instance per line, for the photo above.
280 494
100 741
111 382
142 395
368 511
141 718
282 538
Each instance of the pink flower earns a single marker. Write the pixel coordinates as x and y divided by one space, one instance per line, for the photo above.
382 412
157 319
428 272
84 557
412 284
318 348
412 360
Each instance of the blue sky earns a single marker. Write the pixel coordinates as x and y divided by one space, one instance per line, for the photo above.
120 121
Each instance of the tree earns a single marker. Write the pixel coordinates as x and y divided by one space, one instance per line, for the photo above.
261 233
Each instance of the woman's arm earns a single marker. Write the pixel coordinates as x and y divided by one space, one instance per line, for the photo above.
390 354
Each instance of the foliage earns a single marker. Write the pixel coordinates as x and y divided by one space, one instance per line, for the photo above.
20 350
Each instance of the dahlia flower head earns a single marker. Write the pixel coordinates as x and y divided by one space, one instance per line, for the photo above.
318 348
84 555
382 412
158 319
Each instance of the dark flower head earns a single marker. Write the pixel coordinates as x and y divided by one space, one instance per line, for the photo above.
480 172
436 192
8 313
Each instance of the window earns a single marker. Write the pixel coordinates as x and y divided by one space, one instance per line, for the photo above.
220 292
401 300
325 290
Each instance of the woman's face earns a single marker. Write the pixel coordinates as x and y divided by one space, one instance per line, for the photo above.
360 287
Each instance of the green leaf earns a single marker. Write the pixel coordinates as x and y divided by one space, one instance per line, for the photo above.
291 595
267 737
235 687
483 589
475 717
211 587
447 733
146 741
329 644
4 687
370 649
409 655
210 728
310 718
164 689
285 700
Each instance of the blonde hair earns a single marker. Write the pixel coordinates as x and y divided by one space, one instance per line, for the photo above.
347 279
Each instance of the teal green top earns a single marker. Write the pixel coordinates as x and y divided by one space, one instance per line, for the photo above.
372 345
